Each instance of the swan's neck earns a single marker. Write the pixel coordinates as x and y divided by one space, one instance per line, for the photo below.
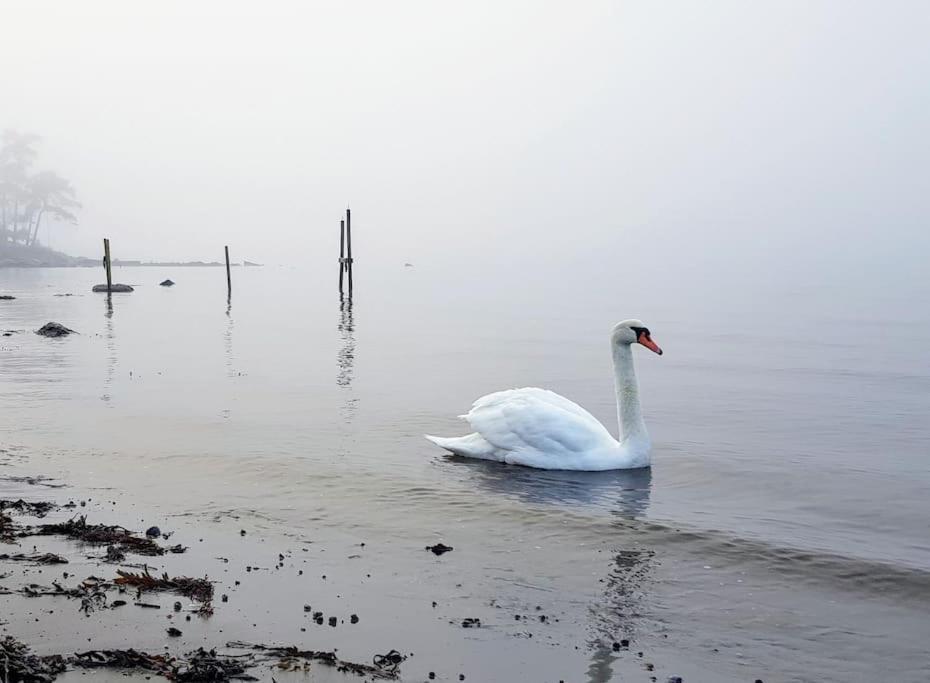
629 413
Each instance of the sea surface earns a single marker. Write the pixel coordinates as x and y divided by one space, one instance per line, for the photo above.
782 534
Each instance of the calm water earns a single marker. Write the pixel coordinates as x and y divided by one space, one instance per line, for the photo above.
783 532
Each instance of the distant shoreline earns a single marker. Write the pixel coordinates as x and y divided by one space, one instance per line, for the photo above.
41 257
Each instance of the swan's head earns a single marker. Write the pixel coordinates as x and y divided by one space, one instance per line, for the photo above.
634 332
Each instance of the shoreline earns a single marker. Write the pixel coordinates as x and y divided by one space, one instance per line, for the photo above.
330 603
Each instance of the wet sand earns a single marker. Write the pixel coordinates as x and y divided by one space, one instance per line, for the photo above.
357 597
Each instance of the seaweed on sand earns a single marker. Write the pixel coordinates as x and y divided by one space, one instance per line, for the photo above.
36 509
197 666
292 658
196 589
91 592
7 528
46 558
100 534
19 665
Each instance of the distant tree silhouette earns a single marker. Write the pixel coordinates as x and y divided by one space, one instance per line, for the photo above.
26 198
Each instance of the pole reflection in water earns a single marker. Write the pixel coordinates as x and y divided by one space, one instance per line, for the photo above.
111 348
345 358
230 360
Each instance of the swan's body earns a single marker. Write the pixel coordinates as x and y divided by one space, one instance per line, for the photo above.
539 428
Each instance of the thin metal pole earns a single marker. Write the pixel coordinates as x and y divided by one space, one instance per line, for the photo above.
228 276
342 249
106 264
349 246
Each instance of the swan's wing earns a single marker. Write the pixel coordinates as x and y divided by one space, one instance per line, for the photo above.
531 419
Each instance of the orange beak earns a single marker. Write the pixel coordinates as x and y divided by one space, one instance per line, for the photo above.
646 341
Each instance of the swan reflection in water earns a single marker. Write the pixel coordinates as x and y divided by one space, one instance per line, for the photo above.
624 495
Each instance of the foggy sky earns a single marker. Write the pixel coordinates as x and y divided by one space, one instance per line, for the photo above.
718 136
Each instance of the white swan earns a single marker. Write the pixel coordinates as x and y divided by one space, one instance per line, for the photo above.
538 428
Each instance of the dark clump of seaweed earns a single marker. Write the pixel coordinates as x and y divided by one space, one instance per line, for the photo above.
196 667
100 534
35 508
20 665
36 558
91 592
203 665
292 658
196 589
7 528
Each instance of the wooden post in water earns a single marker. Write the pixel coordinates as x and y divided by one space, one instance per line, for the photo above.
349 246
228 276
106 264
342 252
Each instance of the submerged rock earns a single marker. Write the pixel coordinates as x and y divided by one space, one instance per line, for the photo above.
439 548
115 287
54 330
167 283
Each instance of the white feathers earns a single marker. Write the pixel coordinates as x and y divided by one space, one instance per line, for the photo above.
539 428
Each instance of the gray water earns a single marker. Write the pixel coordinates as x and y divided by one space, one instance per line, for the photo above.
782 532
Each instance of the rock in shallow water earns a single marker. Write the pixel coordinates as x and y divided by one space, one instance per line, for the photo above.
115 287
54 330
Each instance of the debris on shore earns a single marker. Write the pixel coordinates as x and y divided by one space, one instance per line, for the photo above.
22 666
35 509
196 589
7 528
100 534
43 558
54 330
292 658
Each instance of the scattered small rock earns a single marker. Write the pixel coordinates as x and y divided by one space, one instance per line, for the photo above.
167 283
115 287
353 619
471 622
439 548
54 330
153 532
6 297
174 632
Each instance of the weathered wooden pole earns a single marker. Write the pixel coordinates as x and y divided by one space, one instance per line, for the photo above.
349 246
106 264
342 249
228 276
